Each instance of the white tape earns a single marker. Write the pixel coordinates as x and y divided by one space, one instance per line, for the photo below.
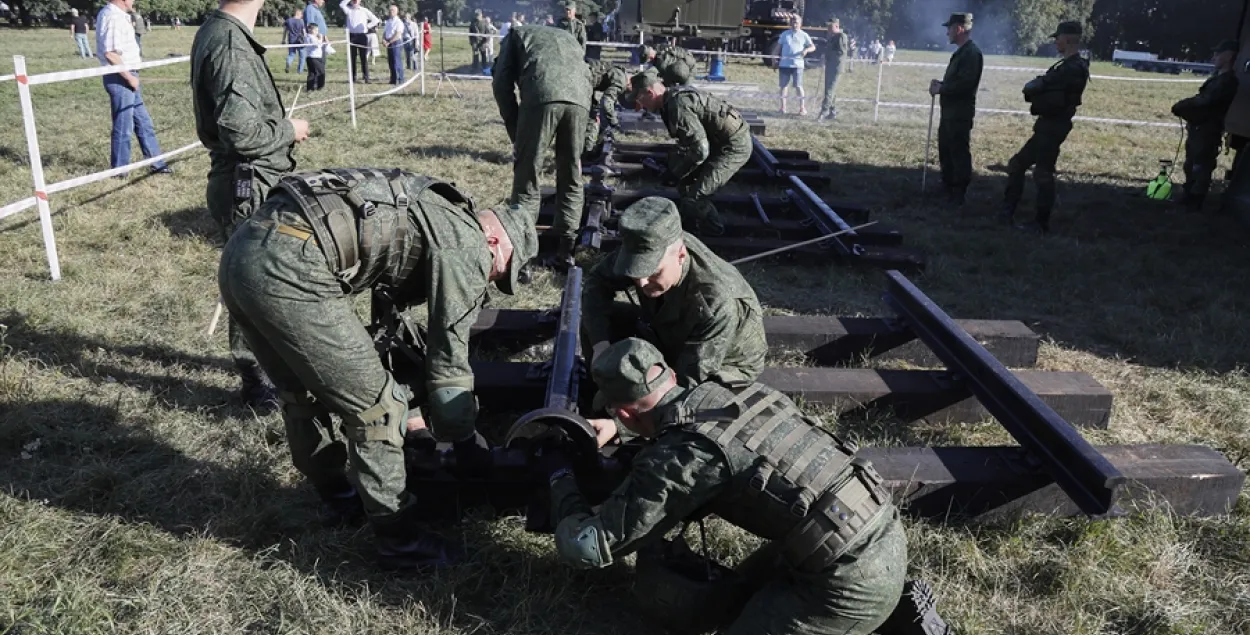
13 208
7 78
1041 70
291 46
61 76
100 176
1003 111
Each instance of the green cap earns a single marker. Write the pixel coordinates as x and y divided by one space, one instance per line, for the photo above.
646 52
524 244
620 372
646 229
1068 28
1228 45
640 82
569 4
964 19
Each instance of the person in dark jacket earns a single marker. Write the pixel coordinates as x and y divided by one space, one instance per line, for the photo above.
1204 122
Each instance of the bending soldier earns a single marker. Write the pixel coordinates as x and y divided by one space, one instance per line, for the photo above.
713 143
837 554
546 65
289 275
240 120
958 92
609 81
674 65
1204 119
697 308
570 23
1053 99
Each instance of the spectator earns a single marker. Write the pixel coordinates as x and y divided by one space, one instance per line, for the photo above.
140 26
393 36
177 24
506 27
427 39
115 43
794 43
314 15
314 51
491 30
359 21
294 34
412 36
78 28
890 49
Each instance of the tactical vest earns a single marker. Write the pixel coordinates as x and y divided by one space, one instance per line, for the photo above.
360 220
792 481
719 118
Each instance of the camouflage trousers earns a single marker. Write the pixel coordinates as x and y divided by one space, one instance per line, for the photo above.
696 189
853 597
1040 152
1202 152
306 335
607 118
537 127
955 152
228 214
832 72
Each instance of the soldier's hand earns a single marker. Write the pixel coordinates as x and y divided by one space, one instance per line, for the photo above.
605 430
935 87
301 129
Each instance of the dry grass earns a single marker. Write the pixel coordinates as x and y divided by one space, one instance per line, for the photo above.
139 498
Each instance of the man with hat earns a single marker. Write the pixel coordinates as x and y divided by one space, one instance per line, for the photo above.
694 306
958 92
836 46
713 143
836 554
674 64
1053 99
570 23
289 277
546 65
609 81
1204 120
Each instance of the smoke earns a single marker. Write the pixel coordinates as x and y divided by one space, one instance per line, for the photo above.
918 23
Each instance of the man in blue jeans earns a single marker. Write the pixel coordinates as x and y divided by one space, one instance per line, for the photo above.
293 33
393 37
794 44
115 44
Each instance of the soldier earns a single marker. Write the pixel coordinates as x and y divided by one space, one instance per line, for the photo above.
478 42
610 82
713 143
675 65
837 554
240 120
1204 118
289 276
570 23
958 90
697 308
836 46
1054 98
546 65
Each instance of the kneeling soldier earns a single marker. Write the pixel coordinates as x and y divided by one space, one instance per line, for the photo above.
288 276
838 554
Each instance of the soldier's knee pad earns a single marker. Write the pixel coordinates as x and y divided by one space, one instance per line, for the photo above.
384 420
300 406
453 413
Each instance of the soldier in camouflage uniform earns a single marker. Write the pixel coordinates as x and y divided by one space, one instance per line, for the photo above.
675 65
836 46
1204 119
478 44
837 553
1053 98
289 276
240 120
697 308
609 81
546 65
958 92
570 23
713 143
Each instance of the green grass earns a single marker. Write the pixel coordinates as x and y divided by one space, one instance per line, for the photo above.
139 498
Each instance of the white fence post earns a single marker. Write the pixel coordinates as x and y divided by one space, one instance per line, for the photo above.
876 107
36 165
351 84
421 59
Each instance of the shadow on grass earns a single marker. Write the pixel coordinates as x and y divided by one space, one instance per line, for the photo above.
191 222
497 157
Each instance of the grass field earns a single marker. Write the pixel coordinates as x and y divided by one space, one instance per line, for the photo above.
136 496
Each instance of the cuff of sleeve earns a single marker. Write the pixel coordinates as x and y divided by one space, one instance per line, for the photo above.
566 498
465 382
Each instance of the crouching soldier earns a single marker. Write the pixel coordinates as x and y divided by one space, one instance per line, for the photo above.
1204 120
608 81
837 553
288 276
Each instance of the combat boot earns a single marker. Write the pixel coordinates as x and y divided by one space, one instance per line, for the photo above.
956 195
257 392
401 547
564 255
340 505
916 613
1007 215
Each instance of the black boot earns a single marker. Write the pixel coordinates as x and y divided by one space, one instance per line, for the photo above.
257 392
956 195
402 547
564 255
1007 215
916 613
340 505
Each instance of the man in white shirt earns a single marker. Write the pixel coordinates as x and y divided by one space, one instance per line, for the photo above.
359 21
393 37
794 44
506 27
115 44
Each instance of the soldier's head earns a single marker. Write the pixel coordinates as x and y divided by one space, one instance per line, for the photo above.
512 241
1225 54
958 27
1068 38
653 250
835 26
646 53
633 379
570 10
647 91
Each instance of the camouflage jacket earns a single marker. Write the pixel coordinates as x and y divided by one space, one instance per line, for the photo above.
709 326
546 65
1057 94
960 84
238 113
610 80
675 65
478 25
1211 103
699 122
576 28
836 47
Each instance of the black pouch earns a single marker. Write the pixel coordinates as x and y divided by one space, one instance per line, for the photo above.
243 183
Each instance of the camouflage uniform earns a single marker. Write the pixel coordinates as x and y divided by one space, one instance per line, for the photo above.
574 26
546 65
836 46
240 120
478 44
675 65
709 327
1054 98
609 81
837 554
1204 120
289 275
959 107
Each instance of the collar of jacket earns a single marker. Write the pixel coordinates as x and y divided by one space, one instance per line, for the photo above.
222 15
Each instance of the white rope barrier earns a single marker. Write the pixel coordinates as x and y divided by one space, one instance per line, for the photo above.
61 186
1038 69
61 76
13 208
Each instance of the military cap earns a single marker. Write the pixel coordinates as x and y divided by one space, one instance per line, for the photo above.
835 22
646 52
620 372
640 82
959 19
569 4
524 237
1228 45
1070 27
646 228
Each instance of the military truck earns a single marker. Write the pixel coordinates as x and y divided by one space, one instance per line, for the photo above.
746 26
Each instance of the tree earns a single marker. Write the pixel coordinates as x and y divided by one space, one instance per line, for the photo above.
862 17
453 10
29 10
